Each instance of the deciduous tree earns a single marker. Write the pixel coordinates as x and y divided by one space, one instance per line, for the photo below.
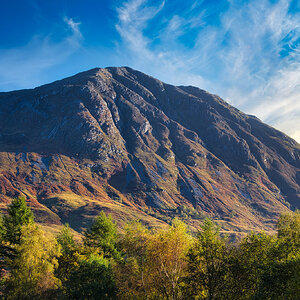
166 261
131 272
32 275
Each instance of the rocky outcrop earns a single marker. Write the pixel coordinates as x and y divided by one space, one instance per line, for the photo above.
119 140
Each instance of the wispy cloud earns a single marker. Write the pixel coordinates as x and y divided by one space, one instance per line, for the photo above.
134 17
27 64
250 55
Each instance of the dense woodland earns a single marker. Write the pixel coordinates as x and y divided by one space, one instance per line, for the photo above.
140 263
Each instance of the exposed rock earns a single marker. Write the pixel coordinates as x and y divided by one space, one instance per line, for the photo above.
129 142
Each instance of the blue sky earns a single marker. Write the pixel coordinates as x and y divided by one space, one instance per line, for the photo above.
248 52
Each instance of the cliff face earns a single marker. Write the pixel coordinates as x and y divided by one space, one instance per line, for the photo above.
119 140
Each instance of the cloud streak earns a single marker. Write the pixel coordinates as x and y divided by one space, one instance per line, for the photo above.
27 64
134 17
249 55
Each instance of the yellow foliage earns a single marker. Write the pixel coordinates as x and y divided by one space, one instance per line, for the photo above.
33 269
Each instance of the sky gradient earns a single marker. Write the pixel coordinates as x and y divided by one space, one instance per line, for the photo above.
247 52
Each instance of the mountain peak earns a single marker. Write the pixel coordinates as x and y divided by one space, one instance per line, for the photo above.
120 140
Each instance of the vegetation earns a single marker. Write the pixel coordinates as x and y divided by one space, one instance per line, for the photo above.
32 270
140 263
18 215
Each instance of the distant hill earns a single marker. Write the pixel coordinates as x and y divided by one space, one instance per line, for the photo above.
118 140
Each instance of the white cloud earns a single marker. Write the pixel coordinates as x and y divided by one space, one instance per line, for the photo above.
280 105
133 20
26 65
251 58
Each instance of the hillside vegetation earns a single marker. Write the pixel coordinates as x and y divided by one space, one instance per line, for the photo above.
141 263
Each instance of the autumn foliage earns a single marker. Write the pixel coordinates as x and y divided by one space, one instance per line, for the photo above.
143 263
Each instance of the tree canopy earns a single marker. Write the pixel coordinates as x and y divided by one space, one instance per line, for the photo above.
143 263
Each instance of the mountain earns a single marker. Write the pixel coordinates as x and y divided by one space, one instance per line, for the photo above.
118 140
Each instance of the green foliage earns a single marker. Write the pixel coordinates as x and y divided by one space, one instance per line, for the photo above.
280 280
144 264
86 274
186 212
206 264
83 272
70 251
92 279
10 229
66 239
132 270
288 228
103 235
19 214
248 262
32 271
2 256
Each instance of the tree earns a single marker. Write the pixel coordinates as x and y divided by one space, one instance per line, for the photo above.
92 279
5 250
255 254
288 233
19 214
132 270
32 271
166 261
103 235
154 263
10 229
280 278
2 256
206 264
66 239
70 253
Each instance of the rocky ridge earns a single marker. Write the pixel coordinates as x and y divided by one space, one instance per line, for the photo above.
119 140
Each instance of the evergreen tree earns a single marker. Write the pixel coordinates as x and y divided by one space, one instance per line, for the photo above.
103 235
10 229
66 239
70 253
19 214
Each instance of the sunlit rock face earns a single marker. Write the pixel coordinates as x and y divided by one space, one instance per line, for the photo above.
119 140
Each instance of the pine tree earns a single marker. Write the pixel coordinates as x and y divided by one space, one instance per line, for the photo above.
103 235
70 254
19 214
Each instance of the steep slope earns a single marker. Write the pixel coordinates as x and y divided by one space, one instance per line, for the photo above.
119 140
